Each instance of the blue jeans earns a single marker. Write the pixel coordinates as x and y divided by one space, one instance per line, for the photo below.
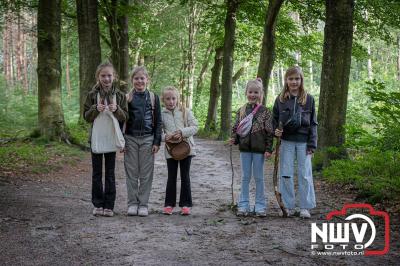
252 161
289 151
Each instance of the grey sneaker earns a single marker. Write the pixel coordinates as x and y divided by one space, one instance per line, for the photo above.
143 211
261 214
241 213
108 213
97 211
304 213
133 210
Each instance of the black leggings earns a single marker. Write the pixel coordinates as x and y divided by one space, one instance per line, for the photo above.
103 198
185 199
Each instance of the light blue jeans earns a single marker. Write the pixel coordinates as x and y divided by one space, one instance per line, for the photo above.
289 151
252 163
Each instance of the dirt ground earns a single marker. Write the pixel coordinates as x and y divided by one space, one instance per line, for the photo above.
46 220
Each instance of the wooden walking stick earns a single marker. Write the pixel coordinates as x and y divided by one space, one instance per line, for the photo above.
275 175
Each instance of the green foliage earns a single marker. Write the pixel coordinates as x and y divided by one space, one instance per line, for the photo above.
376 175
18 111
385 108
79 133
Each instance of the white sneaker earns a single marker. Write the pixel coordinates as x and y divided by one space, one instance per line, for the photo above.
97 211
108 213
304 213
133 210
143 211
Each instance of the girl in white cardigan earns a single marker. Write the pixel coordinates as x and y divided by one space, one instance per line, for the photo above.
178 123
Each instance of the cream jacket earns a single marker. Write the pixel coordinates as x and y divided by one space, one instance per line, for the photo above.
173 121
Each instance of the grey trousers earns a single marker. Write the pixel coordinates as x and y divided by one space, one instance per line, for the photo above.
139 169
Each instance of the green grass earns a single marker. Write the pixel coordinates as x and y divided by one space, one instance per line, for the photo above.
375 175
32 156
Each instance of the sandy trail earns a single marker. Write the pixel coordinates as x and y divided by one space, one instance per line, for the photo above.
47 221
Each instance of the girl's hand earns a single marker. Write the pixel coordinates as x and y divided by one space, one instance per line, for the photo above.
112 107
278 132
267 155
309 152
231 141
155 149
100 107
168 137
122 150
177 134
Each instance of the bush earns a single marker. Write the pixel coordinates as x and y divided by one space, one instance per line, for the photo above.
376 175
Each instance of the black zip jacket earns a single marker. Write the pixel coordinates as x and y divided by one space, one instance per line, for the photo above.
142 119
308 129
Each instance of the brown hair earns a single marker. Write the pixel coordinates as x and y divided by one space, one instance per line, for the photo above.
253 83
285 93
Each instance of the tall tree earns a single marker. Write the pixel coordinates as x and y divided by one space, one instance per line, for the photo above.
398 57
227 68
117 18
89 47
338 38
215 91
203 70
194 12
50 113
267 55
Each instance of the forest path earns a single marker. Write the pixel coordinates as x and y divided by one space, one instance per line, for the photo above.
47 220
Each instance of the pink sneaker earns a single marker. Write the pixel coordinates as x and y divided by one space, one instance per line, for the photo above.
168 210
185 211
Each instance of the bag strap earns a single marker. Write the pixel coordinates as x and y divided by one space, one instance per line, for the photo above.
256 109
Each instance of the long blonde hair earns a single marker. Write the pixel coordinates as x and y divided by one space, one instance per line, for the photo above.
178 102
253 83
285 93
101 67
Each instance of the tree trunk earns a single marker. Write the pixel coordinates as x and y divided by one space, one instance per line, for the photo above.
227 68
310 73
335 75
50 113
199 85
89 36
67 70
267 55
6 49
118 26
193 14
240 72
398 57
369 64
215 91
182 73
